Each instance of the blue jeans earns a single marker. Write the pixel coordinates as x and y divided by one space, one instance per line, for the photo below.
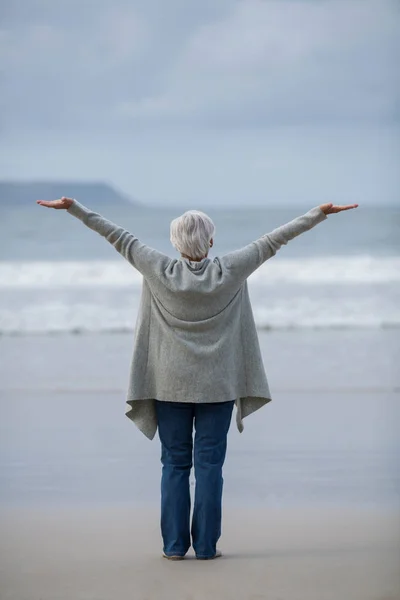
175 428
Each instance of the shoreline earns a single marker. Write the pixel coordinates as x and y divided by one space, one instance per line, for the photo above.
266 329
329 436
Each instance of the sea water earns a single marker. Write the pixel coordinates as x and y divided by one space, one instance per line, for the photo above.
328 311
58 276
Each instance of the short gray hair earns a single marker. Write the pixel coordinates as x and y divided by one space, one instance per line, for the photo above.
191 233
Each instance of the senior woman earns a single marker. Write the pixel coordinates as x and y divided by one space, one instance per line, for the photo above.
196 355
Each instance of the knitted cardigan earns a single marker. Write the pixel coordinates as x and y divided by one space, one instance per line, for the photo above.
195 337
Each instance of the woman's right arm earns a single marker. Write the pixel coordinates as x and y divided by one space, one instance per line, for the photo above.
241 263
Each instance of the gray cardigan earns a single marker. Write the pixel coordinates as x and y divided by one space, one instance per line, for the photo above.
195 337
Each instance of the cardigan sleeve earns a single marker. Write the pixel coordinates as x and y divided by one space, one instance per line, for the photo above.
241 263
146 260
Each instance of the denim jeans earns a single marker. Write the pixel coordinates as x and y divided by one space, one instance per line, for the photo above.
175 428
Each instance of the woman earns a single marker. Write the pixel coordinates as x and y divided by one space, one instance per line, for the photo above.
196 354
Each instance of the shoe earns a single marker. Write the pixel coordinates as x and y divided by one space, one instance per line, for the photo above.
216 555
173 556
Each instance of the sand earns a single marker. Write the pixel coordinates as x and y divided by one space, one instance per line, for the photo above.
276 554
79 486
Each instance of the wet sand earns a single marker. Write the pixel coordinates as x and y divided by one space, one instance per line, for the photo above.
311 492
276 554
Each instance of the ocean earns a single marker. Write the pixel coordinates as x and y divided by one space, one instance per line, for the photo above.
56 276
327 308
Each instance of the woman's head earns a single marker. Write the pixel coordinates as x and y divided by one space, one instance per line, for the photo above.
192 233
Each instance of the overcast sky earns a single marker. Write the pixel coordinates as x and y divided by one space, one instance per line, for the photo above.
205 101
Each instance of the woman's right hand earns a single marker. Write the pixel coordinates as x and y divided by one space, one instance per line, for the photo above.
62 203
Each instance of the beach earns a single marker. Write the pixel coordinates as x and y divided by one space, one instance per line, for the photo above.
311 487
285 554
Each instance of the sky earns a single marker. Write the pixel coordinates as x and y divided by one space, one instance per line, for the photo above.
218 102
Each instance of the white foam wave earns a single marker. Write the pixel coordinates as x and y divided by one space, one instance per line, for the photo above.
325 270
48 274
328 292
295 313
330 270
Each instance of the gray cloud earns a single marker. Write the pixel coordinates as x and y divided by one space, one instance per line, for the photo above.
204 102
71 63
117 64
274 63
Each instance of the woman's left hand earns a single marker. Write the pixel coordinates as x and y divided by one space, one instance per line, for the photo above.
328 209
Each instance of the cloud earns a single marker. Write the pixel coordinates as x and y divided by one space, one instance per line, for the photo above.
69 64
284 62
251 63
56 74
194 101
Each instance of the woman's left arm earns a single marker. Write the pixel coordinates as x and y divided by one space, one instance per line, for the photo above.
146 260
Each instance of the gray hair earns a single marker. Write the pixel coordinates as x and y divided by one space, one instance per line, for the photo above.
191 233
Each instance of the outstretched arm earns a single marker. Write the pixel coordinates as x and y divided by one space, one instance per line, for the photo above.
243 262
145 259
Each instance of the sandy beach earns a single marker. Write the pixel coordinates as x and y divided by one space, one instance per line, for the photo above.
311 491
114 552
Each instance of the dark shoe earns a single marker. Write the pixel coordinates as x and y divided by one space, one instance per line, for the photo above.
216 555
173 556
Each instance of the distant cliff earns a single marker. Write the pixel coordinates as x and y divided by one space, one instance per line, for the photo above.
17 192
